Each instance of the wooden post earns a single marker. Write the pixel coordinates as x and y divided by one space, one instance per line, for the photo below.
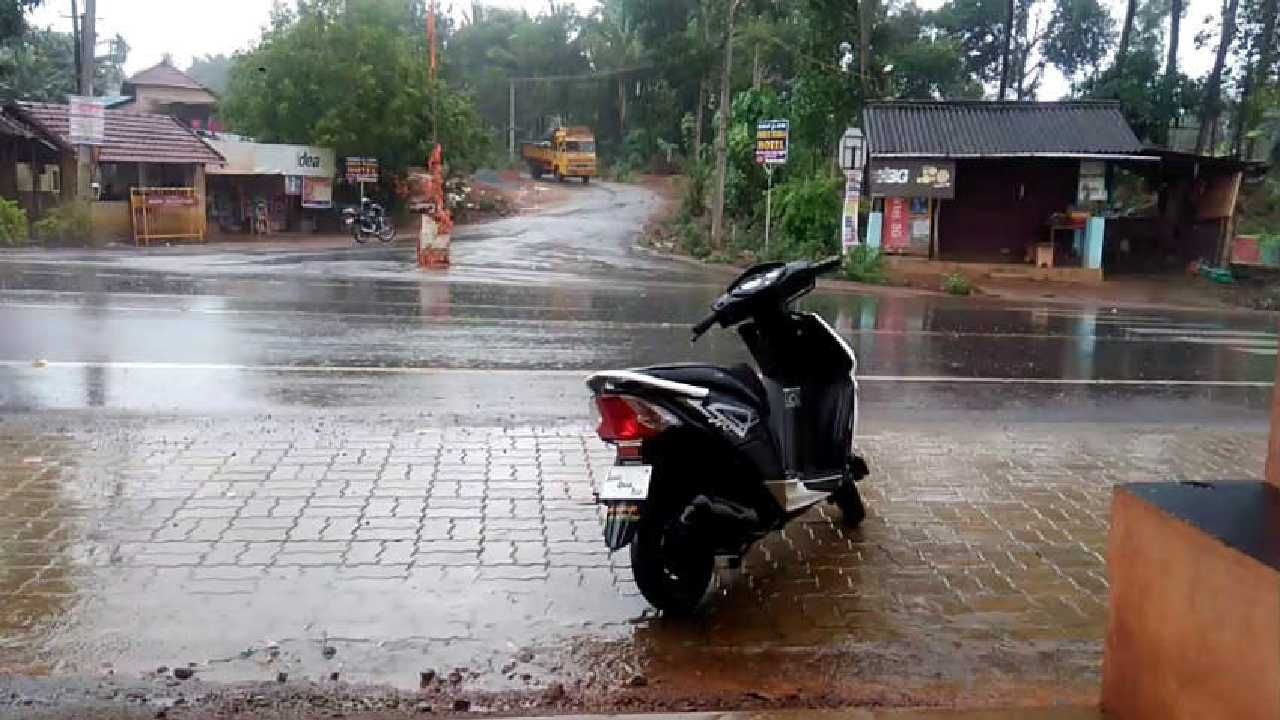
199 187
511 120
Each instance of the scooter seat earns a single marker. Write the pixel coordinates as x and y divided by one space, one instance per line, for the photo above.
741 380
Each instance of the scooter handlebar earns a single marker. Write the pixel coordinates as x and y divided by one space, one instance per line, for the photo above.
703 326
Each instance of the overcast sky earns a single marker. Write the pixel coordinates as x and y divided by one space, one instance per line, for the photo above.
186 28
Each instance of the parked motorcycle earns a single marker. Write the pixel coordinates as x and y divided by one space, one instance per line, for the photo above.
711 459
369 221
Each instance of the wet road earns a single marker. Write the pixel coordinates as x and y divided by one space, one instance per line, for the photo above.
238 458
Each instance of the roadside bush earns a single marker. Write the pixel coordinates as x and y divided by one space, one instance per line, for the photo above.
808 217
694 202
13 223
70 223
622 171
956 284
864 264
694 240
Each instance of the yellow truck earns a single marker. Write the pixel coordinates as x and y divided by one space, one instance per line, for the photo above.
567 152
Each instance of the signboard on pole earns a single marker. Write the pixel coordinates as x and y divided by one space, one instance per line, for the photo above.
891 177
772 138
849 216
362 170
86 121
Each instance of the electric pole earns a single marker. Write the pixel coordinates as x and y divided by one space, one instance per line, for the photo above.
88 41
75 40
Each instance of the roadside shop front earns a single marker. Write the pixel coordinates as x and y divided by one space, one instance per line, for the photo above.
269 188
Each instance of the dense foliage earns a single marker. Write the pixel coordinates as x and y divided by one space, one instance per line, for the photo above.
351 76
212 71
648 76
70 223
40 64
13 223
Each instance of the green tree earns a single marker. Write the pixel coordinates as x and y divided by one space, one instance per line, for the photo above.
351 76
211 71
977 28
13 17
1080 34
1257 55
40 66
932 70
1209 108
613 45
494 45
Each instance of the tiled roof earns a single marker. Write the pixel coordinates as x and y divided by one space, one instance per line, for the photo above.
13 127
998 129
134 137
165 75
16 122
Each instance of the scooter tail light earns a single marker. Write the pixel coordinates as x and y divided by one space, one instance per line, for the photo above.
625 419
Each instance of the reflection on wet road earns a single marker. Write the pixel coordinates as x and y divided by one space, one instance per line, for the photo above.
241 458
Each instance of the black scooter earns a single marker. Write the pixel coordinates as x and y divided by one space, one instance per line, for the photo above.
710 459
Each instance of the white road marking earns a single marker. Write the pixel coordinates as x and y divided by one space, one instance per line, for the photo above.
357 370
1206 333
1169 334
1234 342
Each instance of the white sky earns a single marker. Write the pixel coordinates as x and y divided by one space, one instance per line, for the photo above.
186 28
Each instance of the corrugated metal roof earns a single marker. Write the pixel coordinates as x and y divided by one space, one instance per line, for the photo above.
998 129
134 137
165 75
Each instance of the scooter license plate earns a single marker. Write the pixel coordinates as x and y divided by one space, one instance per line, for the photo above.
626 482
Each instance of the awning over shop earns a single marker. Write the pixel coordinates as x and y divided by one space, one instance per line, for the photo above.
251 158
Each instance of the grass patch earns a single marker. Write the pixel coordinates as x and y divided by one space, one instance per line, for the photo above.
864 264
956 284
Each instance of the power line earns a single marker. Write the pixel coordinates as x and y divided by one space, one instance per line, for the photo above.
583 76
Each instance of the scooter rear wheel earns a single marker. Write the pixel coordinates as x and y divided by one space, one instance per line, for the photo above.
672 573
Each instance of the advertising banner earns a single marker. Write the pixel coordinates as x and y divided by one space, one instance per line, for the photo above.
317 193
891 177
897 224
86 121
849 215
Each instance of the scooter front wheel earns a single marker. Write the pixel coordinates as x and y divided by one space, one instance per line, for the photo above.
672 570
388 234
849 502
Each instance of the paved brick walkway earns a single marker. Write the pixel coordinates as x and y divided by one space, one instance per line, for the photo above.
250 545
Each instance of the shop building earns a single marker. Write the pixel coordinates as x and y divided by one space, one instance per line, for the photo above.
139 153
268 188
31 162
1009 183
